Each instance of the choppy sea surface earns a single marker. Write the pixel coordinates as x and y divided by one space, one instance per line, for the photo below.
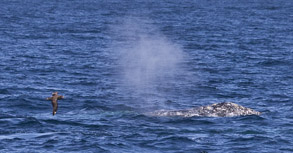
115 61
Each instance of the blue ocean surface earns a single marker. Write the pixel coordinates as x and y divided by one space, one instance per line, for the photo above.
116 61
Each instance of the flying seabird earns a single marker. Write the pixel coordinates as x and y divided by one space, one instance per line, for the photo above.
54 99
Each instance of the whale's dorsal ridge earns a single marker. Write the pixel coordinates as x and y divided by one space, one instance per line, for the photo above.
224 109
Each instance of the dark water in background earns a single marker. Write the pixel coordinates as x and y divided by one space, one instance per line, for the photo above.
116 60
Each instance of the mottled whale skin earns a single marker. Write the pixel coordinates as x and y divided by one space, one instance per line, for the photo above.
225 109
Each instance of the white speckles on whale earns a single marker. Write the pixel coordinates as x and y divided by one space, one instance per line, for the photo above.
225 109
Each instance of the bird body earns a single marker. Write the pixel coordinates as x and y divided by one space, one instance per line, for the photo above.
54 99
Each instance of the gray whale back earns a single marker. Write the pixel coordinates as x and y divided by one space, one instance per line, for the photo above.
226 109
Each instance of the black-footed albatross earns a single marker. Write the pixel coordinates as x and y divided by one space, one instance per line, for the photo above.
54 99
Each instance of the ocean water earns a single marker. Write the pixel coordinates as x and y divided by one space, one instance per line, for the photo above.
115 61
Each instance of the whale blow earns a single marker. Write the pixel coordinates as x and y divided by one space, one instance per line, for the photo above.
225 109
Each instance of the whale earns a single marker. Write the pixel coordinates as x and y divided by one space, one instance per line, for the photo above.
224 109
